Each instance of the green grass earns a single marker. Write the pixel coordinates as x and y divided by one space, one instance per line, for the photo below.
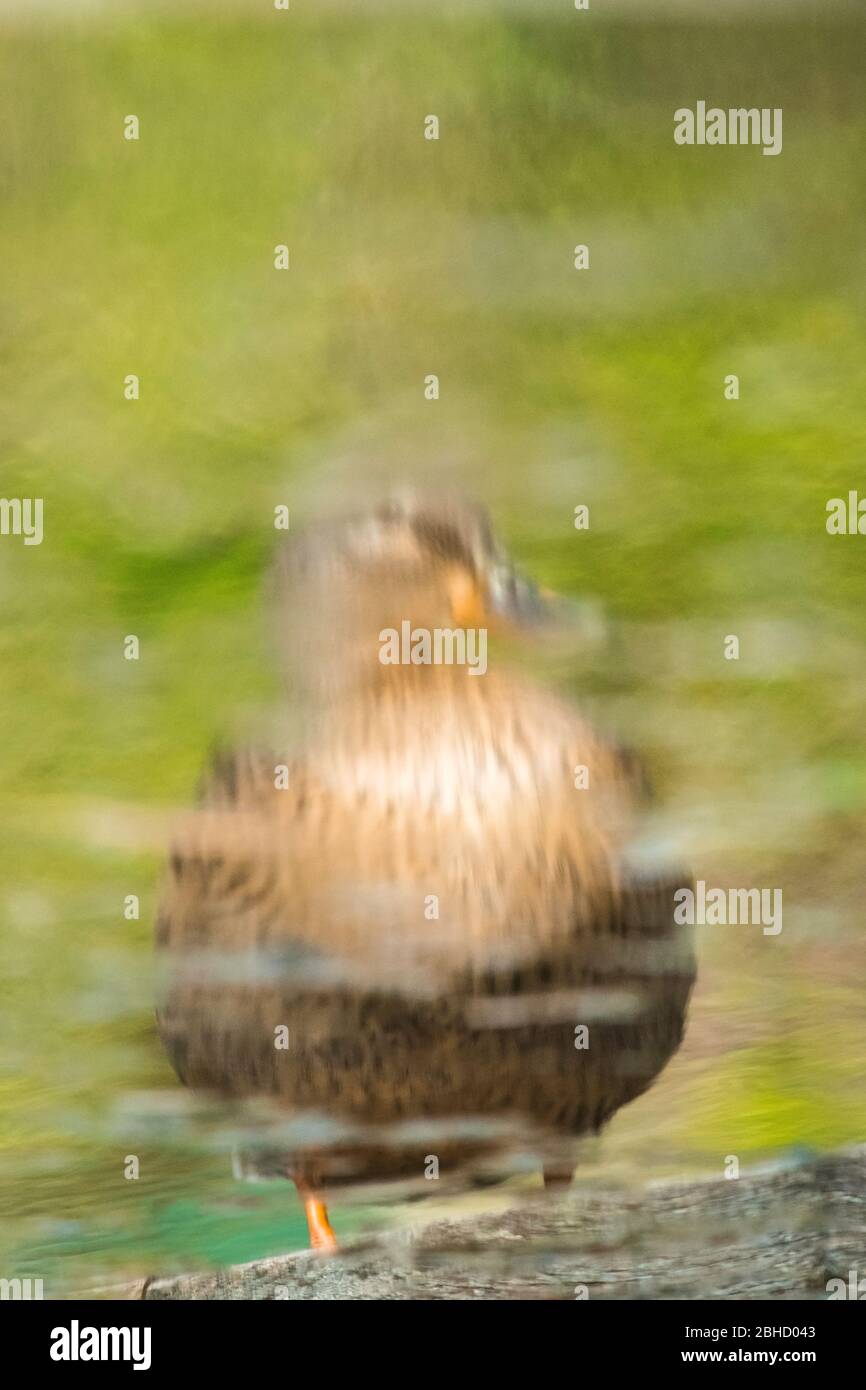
558 387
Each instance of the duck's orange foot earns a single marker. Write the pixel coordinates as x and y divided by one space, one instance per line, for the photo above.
321 1232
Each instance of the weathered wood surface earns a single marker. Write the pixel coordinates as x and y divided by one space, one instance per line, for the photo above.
767 1234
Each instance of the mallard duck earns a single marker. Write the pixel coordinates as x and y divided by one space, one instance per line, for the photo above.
418 910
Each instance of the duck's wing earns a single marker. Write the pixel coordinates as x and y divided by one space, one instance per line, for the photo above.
220 879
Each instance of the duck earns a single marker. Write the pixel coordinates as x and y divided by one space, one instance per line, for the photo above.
410 922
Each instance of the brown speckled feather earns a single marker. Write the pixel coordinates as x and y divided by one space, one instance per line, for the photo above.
321 888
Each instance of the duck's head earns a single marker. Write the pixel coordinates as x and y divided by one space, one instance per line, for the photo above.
432 561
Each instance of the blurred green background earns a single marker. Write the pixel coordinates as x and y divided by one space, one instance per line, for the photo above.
558 387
